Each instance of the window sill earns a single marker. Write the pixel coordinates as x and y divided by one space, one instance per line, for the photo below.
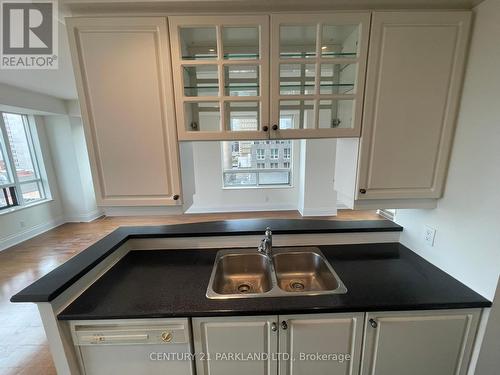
20 208
257 187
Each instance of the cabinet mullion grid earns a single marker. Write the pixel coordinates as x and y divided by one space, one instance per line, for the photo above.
317 61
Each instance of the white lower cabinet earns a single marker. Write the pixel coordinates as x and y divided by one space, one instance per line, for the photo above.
291 344
321 344
217 340
419 342
435 342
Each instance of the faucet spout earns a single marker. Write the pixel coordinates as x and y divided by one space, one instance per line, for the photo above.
266 244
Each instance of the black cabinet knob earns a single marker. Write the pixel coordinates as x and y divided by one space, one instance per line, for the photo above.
373 323
284 324
275 127
176 197
265 128
362 191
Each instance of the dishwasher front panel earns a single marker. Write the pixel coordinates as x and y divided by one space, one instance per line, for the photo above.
134 346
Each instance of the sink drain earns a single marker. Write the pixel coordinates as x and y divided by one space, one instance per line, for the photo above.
296 285
244 288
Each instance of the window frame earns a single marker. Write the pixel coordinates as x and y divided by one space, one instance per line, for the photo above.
15 185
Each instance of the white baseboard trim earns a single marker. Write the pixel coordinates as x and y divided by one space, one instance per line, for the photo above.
250 208
28 233
85 218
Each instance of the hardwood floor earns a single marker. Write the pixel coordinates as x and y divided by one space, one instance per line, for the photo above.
23 347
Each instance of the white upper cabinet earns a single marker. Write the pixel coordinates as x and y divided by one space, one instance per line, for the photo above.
414 77
221 76
318 64
236 78
123 75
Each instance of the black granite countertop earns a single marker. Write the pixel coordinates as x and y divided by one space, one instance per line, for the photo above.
173 283
57 281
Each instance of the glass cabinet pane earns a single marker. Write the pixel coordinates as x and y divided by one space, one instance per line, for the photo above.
298 41
241 80
198 43
336 114
242 116
296 114
240 42
338 78
202 116
201 80
339 41
297 79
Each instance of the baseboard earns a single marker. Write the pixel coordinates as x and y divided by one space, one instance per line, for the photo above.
250 208
85 218
28 233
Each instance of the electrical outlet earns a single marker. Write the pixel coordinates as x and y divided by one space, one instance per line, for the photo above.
429 235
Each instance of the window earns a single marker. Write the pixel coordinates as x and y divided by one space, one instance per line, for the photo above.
20 177
286 153
244 162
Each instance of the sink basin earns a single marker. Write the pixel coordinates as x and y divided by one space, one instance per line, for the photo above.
297 271
304 271
242 273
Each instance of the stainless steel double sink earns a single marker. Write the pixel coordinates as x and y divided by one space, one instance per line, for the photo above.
295 271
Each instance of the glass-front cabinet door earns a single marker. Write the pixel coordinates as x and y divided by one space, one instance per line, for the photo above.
221 76
318 65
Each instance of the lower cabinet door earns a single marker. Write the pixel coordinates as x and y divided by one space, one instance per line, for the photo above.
419 342
236 345
320 344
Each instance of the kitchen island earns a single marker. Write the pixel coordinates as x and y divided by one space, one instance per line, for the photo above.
153 280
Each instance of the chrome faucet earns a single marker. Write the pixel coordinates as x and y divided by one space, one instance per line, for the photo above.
266 244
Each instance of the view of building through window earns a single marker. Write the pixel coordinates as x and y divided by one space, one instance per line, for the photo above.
20 179
256 163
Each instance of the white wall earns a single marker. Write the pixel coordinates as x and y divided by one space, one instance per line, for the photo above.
467 243
211 197
317 196
69 155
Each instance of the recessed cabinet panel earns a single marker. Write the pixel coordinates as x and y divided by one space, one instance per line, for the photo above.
318 61
123 77
337 336
217 62
222 336
413 83
419 342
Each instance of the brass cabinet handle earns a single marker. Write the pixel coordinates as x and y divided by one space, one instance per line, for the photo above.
166 336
